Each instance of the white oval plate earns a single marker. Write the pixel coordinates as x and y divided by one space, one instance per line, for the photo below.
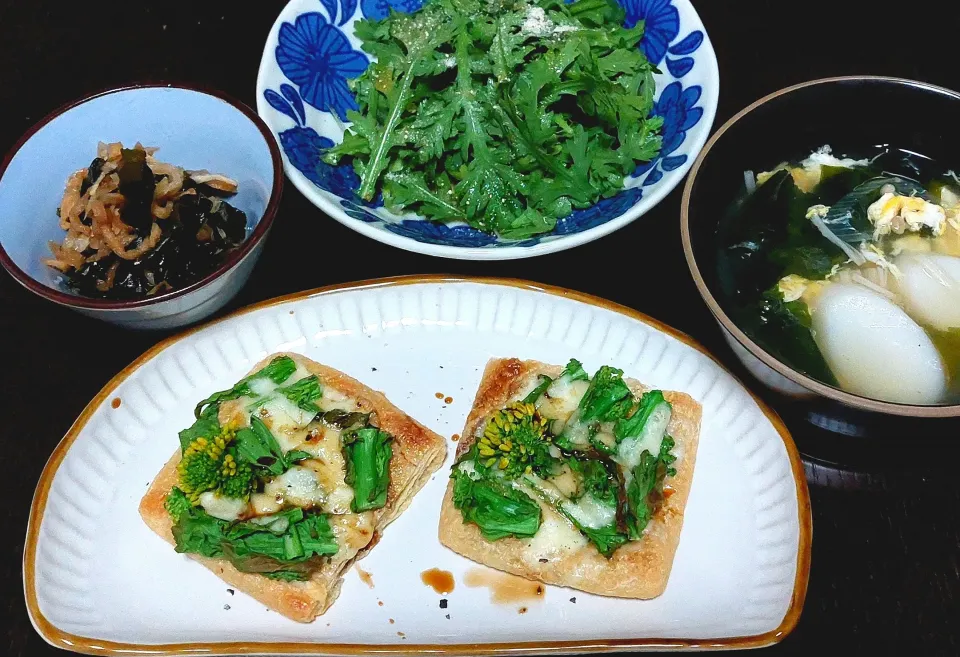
302 96
98 581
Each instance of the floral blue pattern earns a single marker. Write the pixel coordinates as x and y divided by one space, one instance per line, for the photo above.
434 233
302 146
600 213
316 53
380 9
661 25
319 59
359 212
678 108
347 7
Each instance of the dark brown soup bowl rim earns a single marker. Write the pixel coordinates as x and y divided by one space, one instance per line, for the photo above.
849 399
259 231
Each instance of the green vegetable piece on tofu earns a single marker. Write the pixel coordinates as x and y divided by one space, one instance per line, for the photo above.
645 490
599 480
537 392
642 484
237 477
574 371
606 539
498 511
367 453
302 537
297 455
632 426
344 419
201 467
608 397
278 370
194 532
515 441
304 393
205 426
257 446
177 505
288 547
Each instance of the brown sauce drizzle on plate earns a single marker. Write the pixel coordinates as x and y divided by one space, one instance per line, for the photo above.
440 581
505 588
364 576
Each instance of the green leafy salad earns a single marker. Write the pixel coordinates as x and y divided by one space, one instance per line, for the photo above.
504 114
267 488
584 447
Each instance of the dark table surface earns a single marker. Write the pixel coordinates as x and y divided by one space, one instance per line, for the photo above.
886 571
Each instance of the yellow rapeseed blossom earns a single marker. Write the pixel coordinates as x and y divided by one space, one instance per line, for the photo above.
514 439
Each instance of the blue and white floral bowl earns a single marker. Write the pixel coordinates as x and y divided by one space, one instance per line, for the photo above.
302 95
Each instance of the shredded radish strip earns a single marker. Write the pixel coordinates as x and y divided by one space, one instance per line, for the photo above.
749 181
851 253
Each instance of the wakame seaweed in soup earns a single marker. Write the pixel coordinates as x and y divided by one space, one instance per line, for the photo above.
847 269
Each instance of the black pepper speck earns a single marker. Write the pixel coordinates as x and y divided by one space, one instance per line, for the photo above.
443 603
231 591
448 616
573 600
226 607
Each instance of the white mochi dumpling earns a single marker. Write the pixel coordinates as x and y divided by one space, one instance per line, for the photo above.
874 348
930 288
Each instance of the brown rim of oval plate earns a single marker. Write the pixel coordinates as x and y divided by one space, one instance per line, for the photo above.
89 646
850 399
233 258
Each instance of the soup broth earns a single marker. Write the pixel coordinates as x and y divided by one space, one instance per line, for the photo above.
846 267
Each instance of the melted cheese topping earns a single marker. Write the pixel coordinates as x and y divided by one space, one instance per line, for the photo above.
557 538
298 486
576 431
336 400
263 504
286 421
562 398
329 465
318 482
590 513
353 532
649 440
262 386
566 482
224 508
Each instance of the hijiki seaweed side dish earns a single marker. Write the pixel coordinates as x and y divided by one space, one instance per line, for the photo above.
137 227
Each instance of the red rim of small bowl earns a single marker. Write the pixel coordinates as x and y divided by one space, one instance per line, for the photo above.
234 257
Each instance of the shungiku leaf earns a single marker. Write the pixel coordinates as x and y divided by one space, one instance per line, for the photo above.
506 116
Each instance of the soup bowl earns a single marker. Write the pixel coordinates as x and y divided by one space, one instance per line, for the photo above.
846 113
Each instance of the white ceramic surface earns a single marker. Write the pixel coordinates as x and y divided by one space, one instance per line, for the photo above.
101 574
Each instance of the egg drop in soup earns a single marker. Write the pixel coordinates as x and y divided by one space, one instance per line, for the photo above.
847 269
